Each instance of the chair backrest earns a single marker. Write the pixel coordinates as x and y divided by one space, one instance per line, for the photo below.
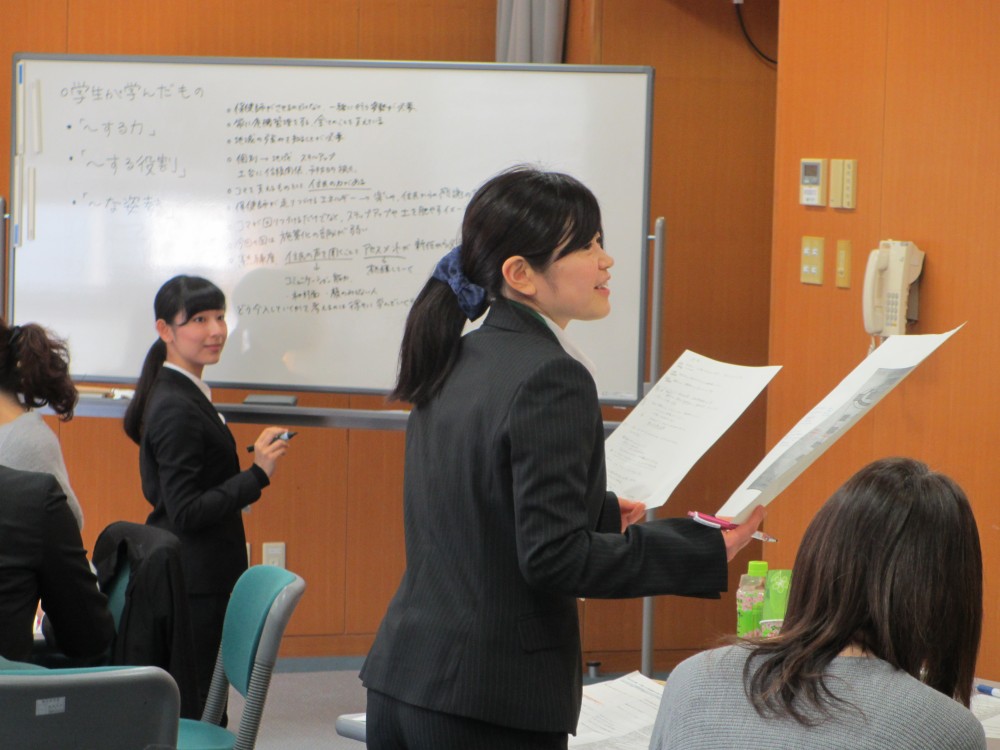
258 611
116 591
126 707
139 569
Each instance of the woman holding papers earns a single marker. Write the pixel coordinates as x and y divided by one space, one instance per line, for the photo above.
879 640
507 516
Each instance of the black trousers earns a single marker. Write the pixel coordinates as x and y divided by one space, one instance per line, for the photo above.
394 725
208 611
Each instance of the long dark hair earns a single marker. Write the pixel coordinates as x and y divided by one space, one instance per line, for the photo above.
181 295
891 563
34 367
522 211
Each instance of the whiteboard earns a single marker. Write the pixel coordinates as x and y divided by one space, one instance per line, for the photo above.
317 194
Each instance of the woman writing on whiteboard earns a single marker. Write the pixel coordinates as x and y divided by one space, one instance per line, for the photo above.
506 513
188 460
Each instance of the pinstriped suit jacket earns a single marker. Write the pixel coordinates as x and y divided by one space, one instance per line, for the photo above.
507 521
191 476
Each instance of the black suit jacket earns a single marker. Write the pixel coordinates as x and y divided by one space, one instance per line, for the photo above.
154 627
191 476
42 558
507 521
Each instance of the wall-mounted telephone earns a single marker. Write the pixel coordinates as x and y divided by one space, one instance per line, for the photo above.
890 295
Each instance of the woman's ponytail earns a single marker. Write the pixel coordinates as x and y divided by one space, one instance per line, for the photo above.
136 409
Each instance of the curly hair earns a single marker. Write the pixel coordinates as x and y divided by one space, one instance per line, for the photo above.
34 367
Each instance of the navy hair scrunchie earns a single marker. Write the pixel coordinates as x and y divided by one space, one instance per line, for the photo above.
471 297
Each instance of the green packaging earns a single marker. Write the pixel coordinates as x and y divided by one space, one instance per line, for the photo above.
776 589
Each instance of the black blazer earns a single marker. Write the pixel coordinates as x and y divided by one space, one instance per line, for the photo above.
154 627
507 521
191 476
42 557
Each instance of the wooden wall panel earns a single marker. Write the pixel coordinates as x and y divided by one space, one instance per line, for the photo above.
712 171
103 466
449 30
829 105
306 508
907 89
941 191
249 28
375 550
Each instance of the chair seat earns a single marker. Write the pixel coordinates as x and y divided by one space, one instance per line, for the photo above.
200 735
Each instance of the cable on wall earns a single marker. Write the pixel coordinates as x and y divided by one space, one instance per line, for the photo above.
738 4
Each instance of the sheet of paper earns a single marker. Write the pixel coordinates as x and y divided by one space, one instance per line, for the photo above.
865 386
987 710
688 409
618 714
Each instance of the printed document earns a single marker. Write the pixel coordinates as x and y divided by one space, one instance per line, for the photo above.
618 714
688 409
987 710
865 386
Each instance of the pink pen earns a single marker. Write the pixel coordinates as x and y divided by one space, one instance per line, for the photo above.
720 523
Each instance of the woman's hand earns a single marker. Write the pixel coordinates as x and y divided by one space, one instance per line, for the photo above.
632 511
738 538
268 449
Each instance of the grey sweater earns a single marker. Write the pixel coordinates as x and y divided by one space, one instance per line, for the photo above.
28 444
704 707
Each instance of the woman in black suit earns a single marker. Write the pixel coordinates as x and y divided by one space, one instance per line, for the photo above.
507 515
188 460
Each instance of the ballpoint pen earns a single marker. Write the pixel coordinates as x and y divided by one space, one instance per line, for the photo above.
720 523
988 690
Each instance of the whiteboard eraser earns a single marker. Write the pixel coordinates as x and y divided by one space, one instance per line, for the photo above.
271 399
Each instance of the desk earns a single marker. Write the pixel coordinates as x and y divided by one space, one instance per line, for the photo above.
991 743
351 726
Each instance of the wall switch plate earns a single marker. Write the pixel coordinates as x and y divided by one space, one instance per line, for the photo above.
273 554
843 275
843 183
811 260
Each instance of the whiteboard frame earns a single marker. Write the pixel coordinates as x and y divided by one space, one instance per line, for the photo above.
17 190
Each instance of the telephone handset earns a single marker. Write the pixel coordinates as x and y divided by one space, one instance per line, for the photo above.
890 296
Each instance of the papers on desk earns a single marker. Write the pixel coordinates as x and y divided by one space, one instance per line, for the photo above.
987 710
618 714
865 386
688 409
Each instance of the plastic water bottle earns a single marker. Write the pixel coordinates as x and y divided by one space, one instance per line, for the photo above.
750 600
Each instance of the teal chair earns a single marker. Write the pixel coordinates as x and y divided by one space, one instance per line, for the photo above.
258 611
125 707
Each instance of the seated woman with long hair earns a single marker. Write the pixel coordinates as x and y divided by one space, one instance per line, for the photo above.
879 642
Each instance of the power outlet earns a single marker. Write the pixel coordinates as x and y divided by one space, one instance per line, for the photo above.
273 554
811 260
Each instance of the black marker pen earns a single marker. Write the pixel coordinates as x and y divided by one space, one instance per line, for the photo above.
286 435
